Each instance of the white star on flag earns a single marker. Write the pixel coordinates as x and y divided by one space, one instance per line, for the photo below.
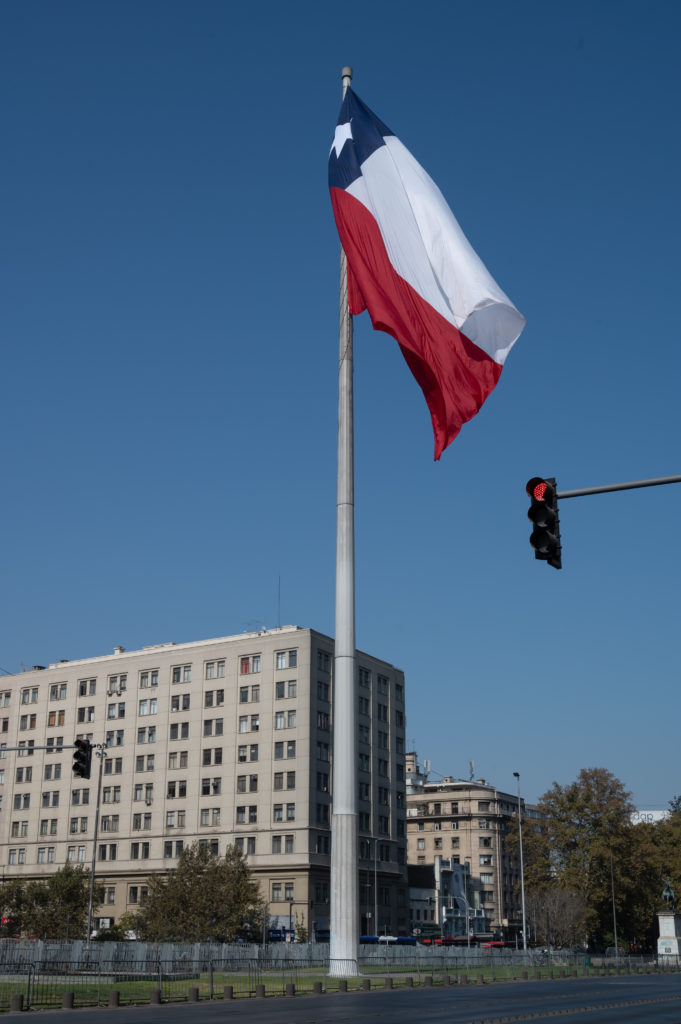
342 134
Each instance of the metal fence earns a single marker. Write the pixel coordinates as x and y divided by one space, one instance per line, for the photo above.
196 975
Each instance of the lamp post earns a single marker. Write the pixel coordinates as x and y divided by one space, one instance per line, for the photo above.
516 775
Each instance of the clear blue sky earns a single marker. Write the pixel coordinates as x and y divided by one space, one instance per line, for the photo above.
169 323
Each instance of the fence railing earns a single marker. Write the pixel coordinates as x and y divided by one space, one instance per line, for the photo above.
67 983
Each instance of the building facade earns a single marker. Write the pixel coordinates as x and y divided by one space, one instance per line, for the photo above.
468 821
224 741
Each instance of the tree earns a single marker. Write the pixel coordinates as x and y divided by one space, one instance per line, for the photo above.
54 908
204 898
556 916
586 845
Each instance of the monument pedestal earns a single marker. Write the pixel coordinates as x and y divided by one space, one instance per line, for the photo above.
669 942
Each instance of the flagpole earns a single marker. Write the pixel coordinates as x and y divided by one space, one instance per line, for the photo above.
344 938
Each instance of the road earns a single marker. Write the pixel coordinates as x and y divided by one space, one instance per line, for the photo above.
655 999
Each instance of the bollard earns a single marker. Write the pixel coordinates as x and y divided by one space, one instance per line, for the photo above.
537 974
409 982
575 973
290 988
114 997
366 984
463 978
446 980
193 995
317 988
428 981
549 973
481 979
67 1001
228 992
524 975
342 984
155 997
388 982
16 1002
259 991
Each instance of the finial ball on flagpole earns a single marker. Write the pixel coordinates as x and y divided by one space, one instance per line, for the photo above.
346 72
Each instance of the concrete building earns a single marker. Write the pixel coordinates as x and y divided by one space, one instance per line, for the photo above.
440 901
467 821
221 741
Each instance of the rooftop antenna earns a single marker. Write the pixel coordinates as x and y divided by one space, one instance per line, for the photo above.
471 770
279 602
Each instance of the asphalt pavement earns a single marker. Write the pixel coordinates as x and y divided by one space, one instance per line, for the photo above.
653 999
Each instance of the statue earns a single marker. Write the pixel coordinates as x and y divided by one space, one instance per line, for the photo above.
668 893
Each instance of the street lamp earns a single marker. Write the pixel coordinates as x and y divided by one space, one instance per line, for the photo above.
516 775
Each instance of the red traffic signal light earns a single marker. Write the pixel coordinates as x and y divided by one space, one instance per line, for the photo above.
543 513
82 759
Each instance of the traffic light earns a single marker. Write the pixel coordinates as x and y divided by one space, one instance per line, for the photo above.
82 759
543 513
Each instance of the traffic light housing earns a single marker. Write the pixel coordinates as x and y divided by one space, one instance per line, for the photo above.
82 759
543 514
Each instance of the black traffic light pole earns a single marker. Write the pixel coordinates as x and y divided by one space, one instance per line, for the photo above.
652 482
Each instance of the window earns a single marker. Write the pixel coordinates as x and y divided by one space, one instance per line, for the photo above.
483 806
110 822
117 684
249 664
382 684
323 661
148 706
214 698
247 753
182 674
322 751
142 763
180 702
139 851
484 842
290 812
116 710
323 814
58 691
323 692
212 756
364 677
85 714
147 734
215 669
382 767
53 718
26 774
399 719
29 696
365 762
149 678
280 720
179 731
323 784
486 861
178 759
322 843
287 659
106 851
210 816
168 848
323 720
276 889
364 735
213 726
177 789
483 823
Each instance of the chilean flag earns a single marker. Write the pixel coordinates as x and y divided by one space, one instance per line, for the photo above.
411 266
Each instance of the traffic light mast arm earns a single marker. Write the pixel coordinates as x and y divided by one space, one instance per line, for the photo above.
655 481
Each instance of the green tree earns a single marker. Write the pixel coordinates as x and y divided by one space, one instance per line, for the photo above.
204 898
53 908
585 834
